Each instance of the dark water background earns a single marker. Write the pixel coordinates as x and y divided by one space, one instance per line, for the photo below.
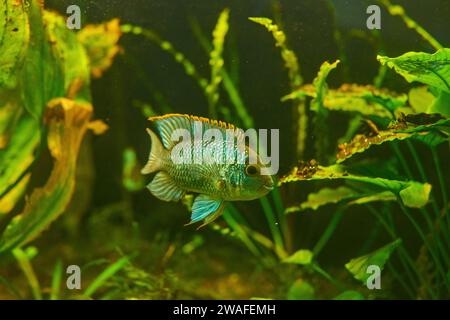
309 26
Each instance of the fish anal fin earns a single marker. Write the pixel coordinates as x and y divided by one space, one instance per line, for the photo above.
164 187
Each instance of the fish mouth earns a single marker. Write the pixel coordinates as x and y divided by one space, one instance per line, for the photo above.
268 186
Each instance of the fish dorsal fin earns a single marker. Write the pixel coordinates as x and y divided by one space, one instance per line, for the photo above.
164 188
204 206
168 123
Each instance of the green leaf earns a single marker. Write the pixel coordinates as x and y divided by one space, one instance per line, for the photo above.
431 134
441 104
430 69
349 295
105 275
41 69
413 194
14 39
420 99
301 290
320 85
18 155
323 197
302 257
340 194
362 99
358 266
67 124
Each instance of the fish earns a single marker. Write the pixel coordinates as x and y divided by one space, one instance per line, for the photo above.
215 182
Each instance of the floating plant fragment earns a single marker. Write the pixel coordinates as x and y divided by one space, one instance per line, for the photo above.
358 266
413 194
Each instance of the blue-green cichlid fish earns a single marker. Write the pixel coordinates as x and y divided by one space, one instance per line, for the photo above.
215 182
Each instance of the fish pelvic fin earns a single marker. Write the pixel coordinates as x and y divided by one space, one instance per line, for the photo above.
157 154
207 208
164 187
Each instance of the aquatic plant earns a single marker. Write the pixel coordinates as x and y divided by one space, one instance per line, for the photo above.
45 71
54 114
385 117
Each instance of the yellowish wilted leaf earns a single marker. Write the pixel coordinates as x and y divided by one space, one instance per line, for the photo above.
67 123
100 42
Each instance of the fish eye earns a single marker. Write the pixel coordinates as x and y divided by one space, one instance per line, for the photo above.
251 170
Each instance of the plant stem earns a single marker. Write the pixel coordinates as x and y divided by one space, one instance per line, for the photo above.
27 269
443 189
273 224
406 260
425 212
327 276
329 231
424 239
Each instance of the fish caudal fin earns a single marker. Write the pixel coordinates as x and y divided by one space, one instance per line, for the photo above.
157 153
205 207
164 188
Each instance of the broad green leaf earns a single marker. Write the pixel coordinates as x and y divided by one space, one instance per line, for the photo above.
323 197
431 134
403 189
302 257
100 42
10 113
358 266
67 124
379 196
9 200
441 104
18 155
362 99
340 194
420 99
430 69
41 78
301 290
349 295
14 39
70 56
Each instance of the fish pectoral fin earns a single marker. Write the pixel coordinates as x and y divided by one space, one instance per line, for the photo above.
213 216
207 208
164 188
